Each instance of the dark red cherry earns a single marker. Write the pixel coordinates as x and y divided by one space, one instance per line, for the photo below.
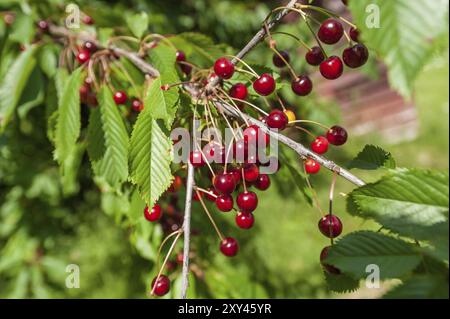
253 133
211 195
315 56
154 214
332 68
277 119
224 68
331 269
330 226
355 56
229 246
83 56
120 97
247 201
137 105
88 20
180 56
302 85
354 34
311 166
245 220
161 285
90 46
264 85
320 145
237 174
251 172
224 203
278 61
262 182
239 91
196 159
337 135
330 31
224 183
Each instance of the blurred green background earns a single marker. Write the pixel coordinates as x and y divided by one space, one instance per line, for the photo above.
41 231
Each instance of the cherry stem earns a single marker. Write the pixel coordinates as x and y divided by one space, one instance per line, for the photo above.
128 76
305 18
305 130
325 12
252 105
311 122
245 64
313 192
291 70
243 180
209 215
232 101
330 210
206 191
303 43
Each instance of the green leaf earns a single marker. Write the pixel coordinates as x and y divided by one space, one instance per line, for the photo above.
68 123
108 141
23 29
412 203
372 157
402 42
150 154
71 166
420 287
354 252
33 94
138 23
13 84
341 283
48 60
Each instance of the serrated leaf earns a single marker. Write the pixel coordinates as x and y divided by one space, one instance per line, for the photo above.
412 203
355 251
33 94
108 141
13 84
150 154
403 36
69 119
420 287
137 23
372 157
341 283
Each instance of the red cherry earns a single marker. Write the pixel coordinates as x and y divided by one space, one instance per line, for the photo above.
83 56
354 34
84 91
229 246
161 285
225 183
224 203
196 159
92 99
264 85
278 61
224 68
120 97
245 220
355 56
137 105
88 20
252 135
247 201
320 145
332 68
302 85
211 195
251 172
315 56
154 214
89 46
331 269
239 91
263 182
331 31
311 166
330 226
277 119
237 175
240 150
180 56
337 135
43 25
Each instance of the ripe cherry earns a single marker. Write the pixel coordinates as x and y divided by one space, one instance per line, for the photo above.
88 20
229 246
331 269
354 34
320 145
330 226
83 56
180 56
315 56
224 203
251 172
263 182
43 25
277 119
302 85
290 115
264 85
240 150
224 68
311 166
253 134
120 97
278 61
332 68
355 56
237 174
247 201
239 91
137 105
337 135
211 195
161 285
89 46
224 183
154 214
245 220
330 31
196 159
